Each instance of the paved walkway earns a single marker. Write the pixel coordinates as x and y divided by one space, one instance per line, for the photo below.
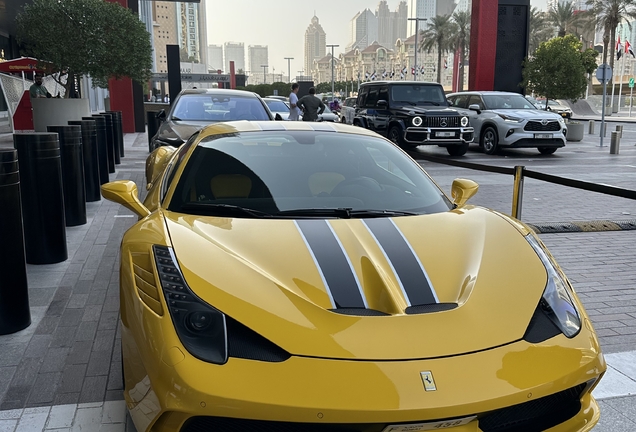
63 374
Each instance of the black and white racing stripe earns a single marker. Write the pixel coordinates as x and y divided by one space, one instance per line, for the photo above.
409 271
333 263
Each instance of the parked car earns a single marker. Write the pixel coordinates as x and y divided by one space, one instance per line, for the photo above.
348 110
508 120
327 115
311 278
283 98
534 102
194 108
277 106
559 108
412 113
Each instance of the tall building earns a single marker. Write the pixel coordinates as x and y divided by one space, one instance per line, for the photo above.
191 27
165 32
234 52
391 25
215 57
364 30
421 9
315 44
257 56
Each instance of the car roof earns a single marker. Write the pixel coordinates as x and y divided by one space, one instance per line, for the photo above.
400 83
492 92
218 92
277 126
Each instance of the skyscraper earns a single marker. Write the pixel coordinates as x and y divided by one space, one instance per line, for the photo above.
257 56
391 25
364 30
235 52
191 28
421 9
215 57
315 44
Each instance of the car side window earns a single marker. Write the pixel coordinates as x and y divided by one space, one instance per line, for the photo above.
459 101
384 93
476 100
372 98
362 97
172 169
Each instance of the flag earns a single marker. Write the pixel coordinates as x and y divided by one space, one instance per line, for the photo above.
366 75
445 64
412 70
628 48
422 70
384 74
401 75
392 74
619 48
373 76
405 70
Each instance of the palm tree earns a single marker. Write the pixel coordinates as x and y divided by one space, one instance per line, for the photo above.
609 14
438 34
461 41
564 17
540 31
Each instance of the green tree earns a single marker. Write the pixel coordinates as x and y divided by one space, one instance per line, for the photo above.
609 14
460 39
438 35
564 17
558 68
85 37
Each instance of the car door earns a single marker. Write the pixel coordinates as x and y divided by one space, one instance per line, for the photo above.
370 106
361 111
476 119
382 113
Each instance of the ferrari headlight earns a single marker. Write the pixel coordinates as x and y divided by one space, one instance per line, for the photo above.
464 121
200 327
417 121
557 302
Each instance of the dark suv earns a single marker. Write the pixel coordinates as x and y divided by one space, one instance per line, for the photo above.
412 113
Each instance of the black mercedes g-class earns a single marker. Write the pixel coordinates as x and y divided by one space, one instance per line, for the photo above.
412 113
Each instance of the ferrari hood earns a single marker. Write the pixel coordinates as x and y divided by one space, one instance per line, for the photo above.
389 288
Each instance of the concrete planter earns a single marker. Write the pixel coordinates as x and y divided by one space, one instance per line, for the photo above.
57 112
575 132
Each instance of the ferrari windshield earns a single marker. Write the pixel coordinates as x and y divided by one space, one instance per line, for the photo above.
304 174
210 108
507 101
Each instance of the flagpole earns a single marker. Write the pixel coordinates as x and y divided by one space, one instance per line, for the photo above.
620 87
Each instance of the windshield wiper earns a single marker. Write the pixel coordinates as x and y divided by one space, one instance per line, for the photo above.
343 213
408 102
431 102
210 209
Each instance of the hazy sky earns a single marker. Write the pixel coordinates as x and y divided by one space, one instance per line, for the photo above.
281 25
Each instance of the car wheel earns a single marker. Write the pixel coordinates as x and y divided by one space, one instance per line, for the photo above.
547 150
457 150
489 140
395 135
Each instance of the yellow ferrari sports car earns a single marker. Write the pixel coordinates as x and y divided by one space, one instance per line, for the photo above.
301 277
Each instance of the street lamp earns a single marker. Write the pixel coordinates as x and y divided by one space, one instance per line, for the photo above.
332 61
264 78
417 36
288 67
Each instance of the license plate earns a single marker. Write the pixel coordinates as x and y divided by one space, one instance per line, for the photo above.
417 427
444 134
543 136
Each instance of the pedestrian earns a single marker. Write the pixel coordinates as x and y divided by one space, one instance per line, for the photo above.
311 105
166 98
37 90
294 111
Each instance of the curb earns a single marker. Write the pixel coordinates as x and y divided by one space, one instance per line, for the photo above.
583 226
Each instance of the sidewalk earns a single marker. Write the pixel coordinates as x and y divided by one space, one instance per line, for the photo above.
63 372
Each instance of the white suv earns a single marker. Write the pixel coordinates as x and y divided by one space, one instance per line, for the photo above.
348 110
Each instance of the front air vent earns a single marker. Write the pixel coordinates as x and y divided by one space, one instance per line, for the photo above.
541 327
359 312
430 308
145 281
247 344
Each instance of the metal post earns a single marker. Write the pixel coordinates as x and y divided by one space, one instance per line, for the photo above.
591 130
417 36
332 62
631 100
615 143
517 193
619 129
289 59
603 107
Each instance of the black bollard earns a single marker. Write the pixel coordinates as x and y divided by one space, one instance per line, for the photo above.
15 314
73 187
91 166
102 150
113 125
120 131
110 143
153 126
42 200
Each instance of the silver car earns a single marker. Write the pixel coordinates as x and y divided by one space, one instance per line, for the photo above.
348 110
508 120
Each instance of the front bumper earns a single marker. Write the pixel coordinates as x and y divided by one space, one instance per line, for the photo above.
166 386
428 135
520 138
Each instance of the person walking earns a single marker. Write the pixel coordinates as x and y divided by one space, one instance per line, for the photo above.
294 111
311 105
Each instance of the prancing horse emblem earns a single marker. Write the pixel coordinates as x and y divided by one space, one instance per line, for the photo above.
443 122
429 382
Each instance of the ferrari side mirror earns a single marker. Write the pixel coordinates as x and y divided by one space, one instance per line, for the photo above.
124 192
462 190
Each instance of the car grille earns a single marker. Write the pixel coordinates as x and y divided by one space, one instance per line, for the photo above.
537 415
537 126
437 121
533 416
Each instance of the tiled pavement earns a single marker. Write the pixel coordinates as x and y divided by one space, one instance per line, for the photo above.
62 373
